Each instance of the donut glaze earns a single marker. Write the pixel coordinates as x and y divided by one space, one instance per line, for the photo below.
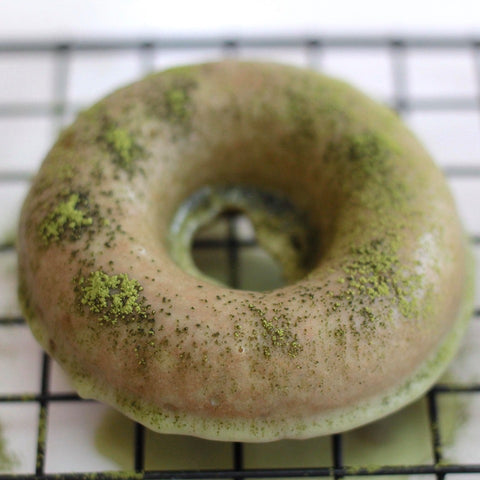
338 190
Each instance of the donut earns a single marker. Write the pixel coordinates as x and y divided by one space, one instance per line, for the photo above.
378 275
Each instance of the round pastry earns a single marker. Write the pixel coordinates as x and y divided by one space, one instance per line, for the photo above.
378 289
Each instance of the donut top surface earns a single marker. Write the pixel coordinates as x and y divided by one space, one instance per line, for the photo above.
375 256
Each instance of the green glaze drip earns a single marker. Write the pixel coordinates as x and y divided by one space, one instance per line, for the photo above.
112 440
7 460
66 220
114 297
399 439
126 152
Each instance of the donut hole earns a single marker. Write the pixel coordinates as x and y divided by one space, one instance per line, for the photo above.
242 237
226 250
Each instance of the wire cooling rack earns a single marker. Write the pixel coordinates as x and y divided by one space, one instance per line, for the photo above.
433 82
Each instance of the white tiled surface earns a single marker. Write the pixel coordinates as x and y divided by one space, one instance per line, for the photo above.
93 75
451 136
90 437
71 446
29 139
19 425
357 65
441 73
16 68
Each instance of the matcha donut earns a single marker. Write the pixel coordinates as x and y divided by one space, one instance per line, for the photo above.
379 287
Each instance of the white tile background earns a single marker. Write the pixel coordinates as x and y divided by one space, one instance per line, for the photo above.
89 436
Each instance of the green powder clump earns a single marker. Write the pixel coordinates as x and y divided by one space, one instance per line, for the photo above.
117 301
176 101
367 147
67 219
126 151
114 297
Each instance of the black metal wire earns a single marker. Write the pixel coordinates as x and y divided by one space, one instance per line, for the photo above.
42 417
435 431
320 472
273 42
399 76
337 455
146 54
139 448
237 451
314 48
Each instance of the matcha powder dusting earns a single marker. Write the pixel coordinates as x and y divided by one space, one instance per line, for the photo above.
124 149
65 217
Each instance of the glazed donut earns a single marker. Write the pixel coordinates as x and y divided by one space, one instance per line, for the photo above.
379 283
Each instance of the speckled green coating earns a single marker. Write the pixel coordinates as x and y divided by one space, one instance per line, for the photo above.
381 288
